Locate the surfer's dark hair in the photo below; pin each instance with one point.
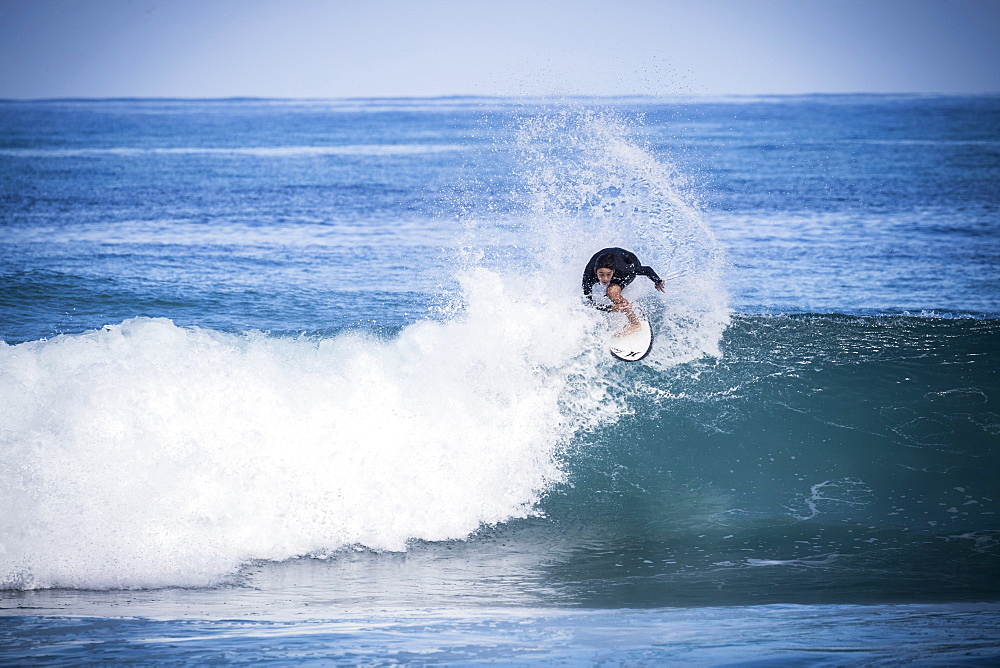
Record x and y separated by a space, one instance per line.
606 261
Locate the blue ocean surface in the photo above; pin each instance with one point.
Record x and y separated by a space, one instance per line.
312 381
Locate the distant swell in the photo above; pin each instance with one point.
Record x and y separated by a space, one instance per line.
254 151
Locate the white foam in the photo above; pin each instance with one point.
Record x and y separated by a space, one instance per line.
146 454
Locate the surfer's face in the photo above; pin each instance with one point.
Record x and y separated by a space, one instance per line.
604 275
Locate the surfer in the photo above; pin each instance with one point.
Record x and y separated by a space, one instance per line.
615 268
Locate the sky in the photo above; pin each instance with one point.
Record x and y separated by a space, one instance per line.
399 48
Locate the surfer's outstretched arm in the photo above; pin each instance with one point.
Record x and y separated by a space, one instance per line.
650 273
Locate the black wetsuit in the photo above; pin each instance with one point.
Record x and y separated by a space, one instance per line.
626 268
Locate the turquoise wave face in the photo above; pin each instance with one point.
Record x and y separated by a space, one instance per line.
820 459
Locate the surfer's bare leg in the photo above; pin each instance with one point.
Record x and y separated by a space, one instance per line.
621 305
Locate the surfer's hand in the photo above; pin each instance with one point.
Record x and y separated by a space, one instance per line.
660 286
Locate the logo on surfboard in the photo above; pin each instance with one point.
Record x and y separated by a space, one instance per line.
634 346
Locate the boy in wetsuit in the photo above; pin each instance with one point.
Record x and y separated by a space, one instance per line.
616 268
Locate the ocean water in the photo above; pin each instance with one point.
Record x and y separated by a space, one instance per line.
311 380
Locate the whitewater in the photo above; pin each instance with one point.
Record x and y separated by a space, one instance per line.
314 367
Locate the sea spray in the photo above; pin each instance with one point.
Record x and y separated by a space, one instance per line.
588 184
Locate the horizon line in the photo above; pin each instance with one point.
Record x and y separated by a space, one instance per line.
461 97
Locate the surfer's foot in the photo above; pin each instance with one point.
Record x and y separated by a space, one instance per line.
630 328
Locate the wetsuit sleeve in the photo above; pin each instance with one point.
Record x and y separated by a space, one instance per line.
648 272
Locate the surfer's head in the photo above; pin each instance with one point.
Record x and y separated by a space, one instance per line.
605 268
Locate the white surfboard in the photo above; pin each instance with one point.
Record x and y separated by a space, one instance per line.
633 347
